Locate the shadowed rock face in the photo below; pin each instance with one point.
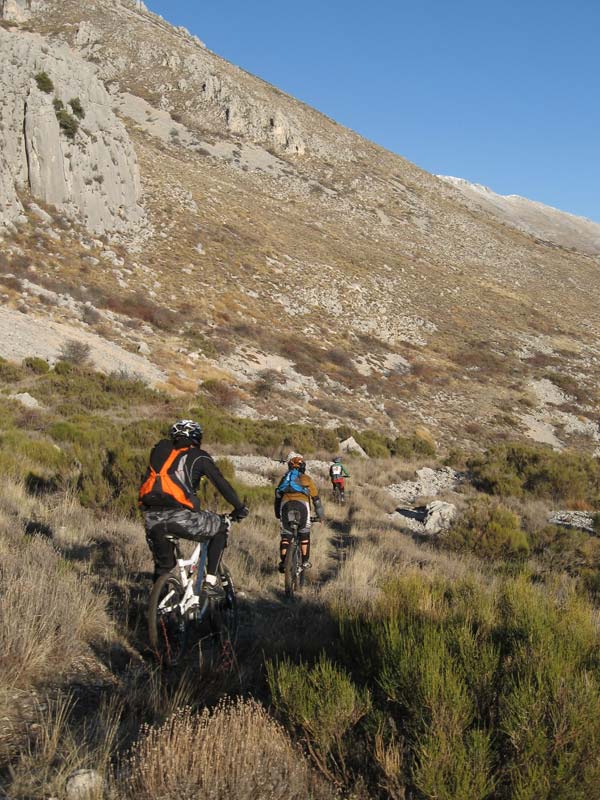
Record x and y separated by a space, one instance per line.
92 175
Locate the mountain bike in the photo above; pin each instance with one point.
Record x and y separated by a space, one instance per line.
339 494
179 616
293 569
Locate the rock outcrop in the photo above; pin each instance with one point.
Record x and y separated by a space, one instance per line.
18 10
429 483
352 447
434 518
581 520
60 140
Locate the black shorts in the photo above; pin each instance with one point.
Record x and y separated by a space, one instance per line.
295 511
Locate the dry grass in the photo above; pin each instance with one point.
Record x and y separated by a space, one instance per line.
237 751
47 611
86 595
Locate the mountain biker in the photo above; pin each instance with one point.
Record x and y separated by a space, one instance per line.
170 505
337 474
294 493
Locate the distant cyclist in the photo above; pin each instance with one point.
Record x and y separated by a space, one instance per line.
170 505
338 475
295 492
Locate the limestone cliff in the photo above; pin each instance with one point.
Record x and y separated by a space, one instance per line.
59 138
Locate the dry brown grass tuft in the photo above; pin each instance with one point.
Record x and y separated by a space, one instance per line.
237 751
47 612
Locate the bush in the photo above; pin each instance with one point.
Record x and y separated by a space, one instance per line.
495 691
375 444
236 751
36 365
67 123
322 704
518 469
9 372
63 368
421 443
223 393
490 530
44 83
77 108
75 352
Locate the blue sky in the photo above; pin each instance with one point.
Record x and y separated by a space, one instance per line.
501 93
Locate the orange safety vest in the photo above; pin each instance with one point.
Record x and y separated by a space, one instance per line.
162 483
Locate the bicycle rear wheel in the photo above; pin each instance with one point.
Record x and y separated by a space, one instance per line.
291 568
166 625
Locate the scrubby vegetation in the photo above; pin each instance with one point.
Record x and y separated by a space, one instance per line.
462 669
44 82
520 470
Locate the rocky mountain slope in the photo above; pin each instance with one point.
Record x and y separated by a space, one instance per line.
542 221
246 246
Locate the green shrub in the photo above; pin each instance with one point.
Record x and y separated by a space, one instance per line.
77 108
68 124
44 83
9 372
36 365
63 368
494 690
375 444
490 530
322 704
419 444
518 469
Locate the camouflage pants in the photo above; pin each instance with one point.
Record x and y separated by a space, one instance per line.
184 524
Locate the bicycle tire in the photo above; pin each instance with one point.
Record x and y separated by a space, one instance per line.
167 631
224 614
291 569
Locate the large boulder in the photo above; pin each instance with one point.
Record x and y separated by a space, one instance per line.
434 518
429 483
439 516
352 447
89 172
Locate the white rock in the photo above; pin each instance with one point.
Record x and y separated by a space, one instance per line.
40 213
94 176
26 399
439 516
429 483
574 519
84 784
144 349
351 446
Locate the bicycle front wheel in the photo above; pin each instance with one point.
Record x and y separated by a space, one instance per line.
225 613
166 625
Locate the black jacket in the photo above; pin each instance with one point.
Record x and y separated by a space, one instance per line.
191 466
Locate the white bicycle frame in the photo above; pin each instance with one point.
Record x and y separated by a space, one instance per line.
190 599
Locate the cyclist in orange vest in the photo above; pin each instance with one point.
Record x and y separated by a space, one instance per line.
170 504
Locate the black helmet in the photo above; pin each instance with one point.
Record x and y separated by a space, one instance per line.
186 429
